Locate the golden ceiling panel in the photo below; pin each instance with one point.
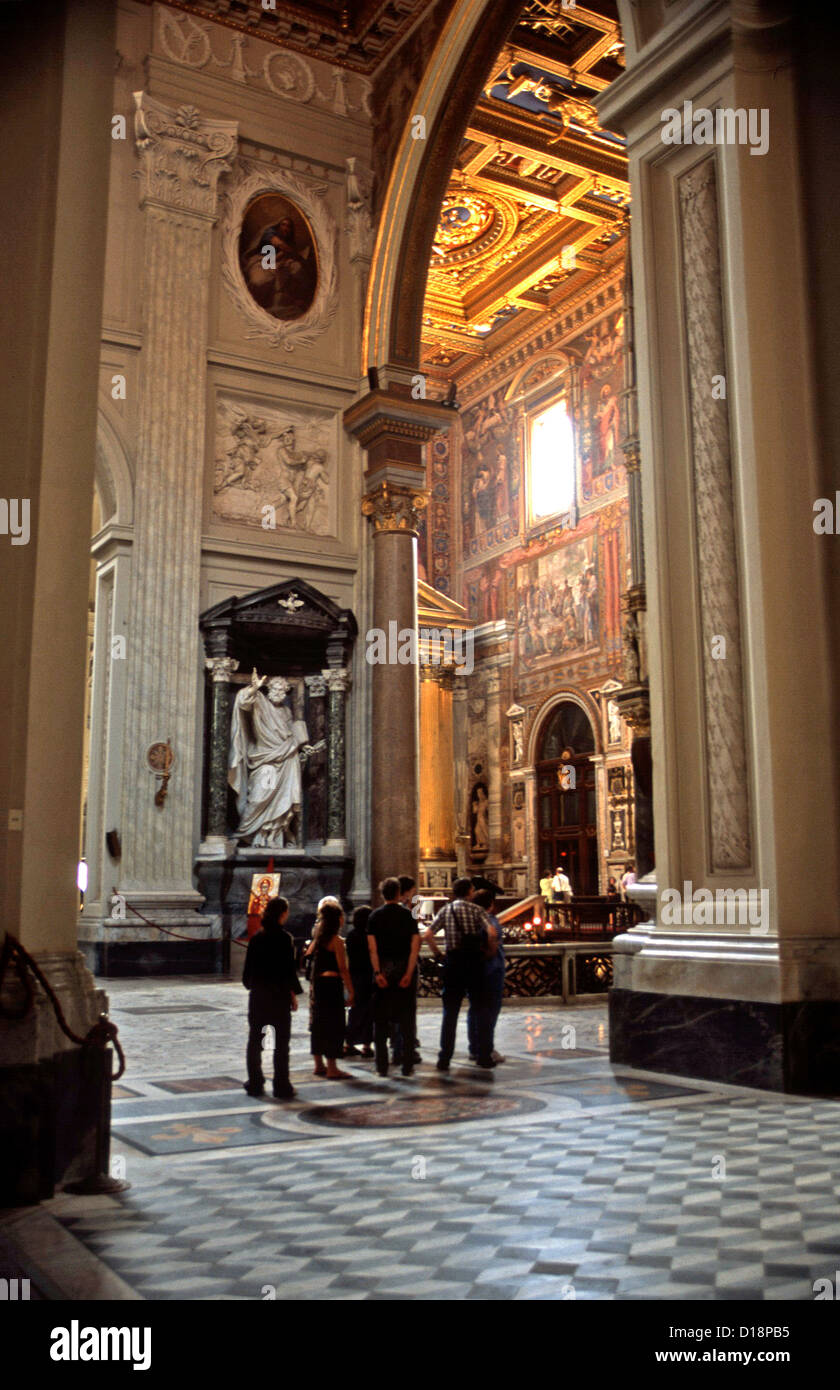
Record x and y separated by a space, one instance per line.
535 157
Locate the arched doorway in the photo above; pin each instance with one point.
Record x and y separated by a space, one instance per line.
566 802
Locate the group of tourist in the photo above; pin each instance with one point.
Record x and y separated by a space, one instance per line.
374 971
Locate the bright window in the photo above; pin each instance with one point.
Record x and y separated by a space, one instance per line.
552 471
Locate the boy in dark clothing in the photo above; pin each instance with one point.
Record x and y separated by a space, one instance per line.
394 945
271 978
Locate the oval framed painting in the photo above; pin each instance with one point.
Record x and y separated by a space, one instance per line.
278 257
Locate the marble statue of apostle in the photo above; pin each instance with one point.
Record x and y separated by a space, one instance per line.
264 764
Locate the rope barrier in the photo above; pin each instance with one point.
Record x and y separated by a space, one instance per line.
178 935
103 1032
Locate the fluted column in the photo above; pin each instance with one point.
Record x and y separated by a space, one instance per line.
182 156
337 680
221 670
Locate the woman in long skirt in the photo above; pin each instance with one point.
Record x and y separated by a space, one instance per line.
330 979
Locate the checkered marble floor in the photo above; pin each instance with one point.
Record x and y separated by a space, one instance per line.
558 1176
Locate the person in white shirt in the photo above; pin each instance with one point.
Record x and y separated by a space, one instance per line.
562 886
628 878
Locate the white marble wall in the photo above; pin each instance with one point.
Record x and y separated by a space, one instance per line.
298 123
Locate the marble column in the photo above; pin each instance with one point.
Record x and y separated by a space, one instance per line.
182 156
395 780
221 669
437 765
393 427
337 680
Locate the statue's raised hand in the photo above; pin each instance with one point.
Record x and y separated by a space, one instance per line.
257 682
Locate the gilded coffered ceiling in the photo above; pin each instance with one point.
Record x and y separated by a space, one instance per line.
538 199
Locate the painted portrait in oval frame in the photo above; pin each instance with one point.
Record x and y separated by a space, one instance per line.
283 284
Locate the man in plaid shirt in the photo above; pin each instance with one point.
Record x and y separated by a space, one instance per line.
468 932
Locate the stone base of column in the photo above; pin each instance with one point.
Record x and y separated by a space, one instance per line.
335 847
176 939
792 1047
216 847
55 1097
720 1006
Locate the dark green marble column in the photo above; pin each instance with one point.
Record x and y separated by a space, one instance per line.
221 669
337 679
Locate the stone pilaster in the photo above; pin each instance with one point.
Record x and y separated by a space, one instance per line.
528 776
182 157
493 688
493 645
459 743
724 426
336 681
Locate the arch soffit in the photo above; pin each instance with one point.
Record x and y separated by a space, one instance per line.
453 81
113 477
545 711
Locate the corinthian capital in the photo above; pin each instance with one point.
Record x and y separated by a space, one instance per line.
336 678
182 155
393 507
221 668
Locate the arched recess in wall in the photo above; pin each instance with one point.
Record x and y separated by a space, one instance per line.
564 741
563 696
112 474
451 85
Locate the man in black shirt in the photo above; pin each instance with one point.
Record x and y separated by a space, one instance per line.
394 945
271 979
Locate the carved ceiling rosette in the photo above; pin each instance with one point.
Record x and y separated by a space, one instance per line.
256 180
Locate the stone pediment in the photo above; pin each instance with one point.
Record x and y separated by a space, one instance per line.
292 611
435 609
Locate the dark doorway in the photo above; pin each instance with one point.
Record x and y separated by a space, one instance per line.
566 809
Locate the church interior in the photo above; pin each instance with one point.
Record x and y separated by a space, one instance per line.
420 459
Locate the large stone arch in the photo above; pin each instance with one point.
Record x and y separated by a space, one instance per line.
112 476
451 85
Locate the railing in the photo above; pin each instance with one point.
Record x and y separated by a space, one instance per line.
561 970
586 917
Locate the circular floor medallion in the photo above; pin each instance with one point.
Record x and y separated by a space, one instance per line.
402 1111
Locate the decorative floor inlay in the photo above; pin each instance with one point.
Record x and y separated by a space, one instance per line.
199 1084
420 1110
596 1091
208 1132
